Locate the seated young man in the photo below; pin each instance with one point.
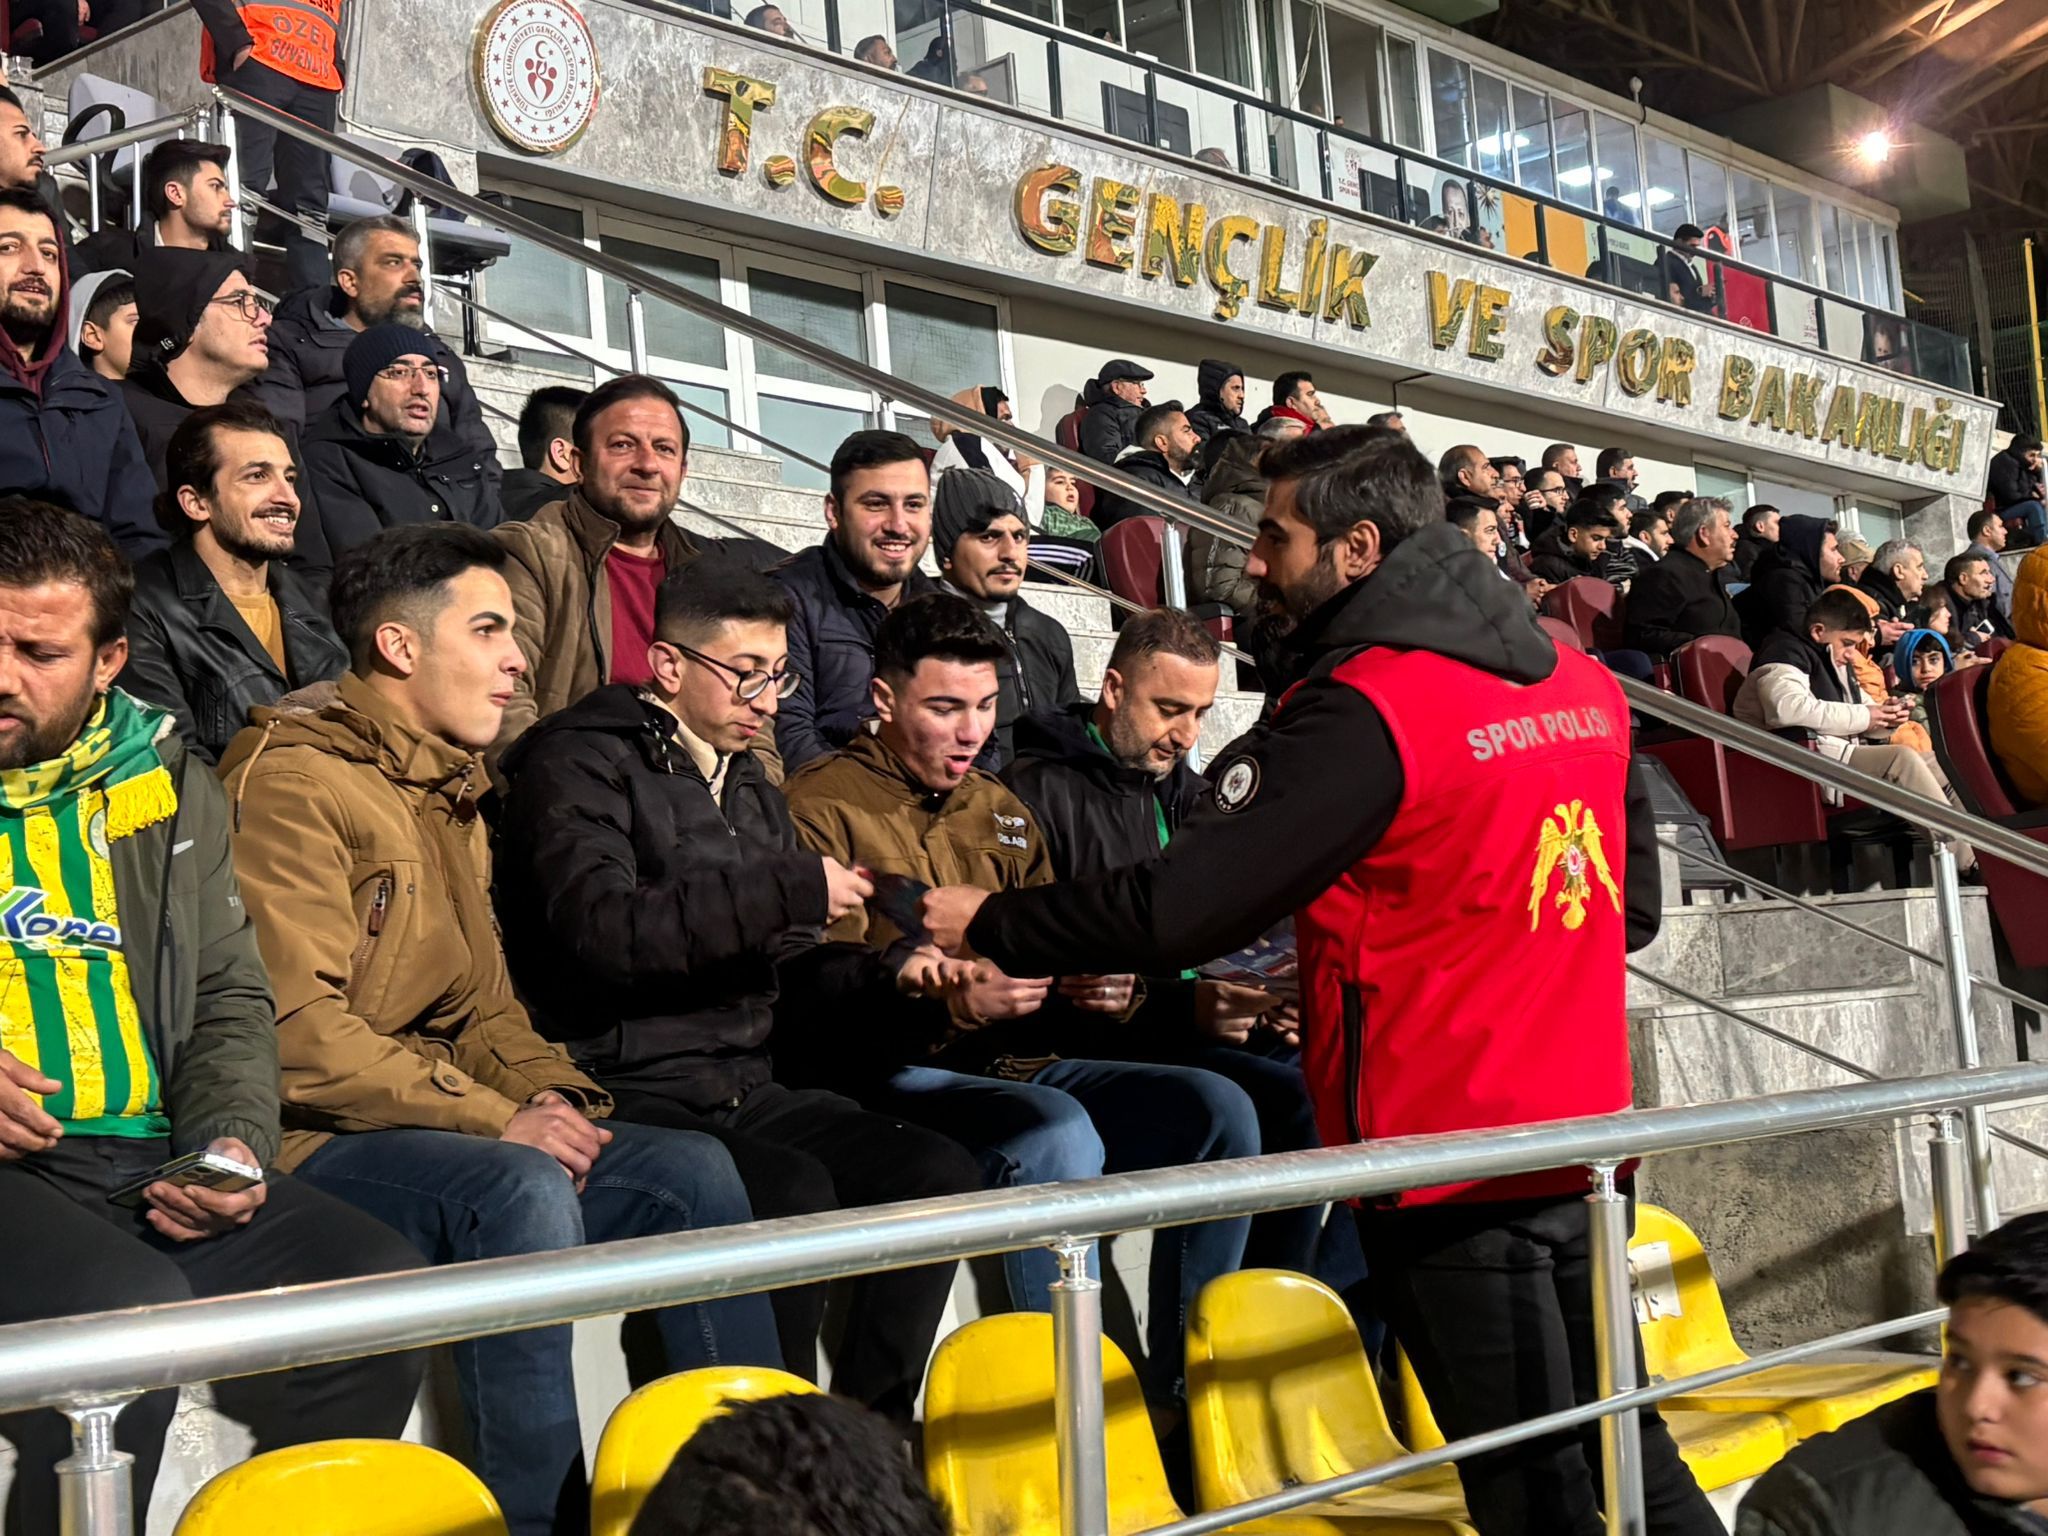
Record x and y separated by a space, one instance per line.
1968 1456
1039 1097
414 1086
118 1056
659 914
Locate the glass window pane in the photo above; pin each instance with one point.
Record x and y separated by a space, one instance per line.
942 342
1665 196
1755 243
818 312
1221 46
1795 233
1532 142
703 433
1839 278
1404 94
1730 485
1887 266
1307 28
540 287
1450 106
1490 106
1621 191
671 333
1159 32
1709 194
1877 288
1574 154
816 430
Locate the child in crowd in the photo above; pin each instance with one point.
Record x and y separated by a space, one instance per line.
1920 658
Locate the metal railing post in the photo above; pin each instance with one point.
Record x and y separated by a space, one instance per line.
224 126
1077 1392
423 233
1946 1184
1614 1342
1948 900
1173 578
95 1491
636 329
92 191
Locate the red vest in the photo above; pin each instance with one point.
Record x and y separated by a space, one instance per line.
1468 971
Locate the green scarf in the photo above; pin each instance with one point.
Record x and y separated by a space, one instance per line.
116 749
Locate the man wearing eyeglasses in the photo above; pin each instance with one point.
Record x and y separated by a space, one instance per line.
662 921
201 333
384 454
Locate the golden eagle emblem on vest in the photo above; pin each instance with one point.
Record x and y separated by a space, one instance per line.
1570 840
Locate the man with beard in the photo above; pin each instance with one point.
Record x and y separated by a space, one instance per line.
147 1034
201 333
381 456
63 434
1456 873
982 541
584 570
190 204
21 149
878 520
376 282
220 625
1163 453
1220 403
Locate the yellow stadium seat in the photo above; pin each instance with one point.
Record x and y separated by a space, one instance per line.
1685 1330
645 1431
1720 1448
1280 1393
345 1488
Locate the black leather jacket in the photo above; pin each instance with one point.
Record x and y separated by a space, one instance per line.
190 652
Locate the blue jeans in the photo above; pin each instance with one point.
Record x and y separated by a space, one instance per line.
2036 517
1082 1119
462 1197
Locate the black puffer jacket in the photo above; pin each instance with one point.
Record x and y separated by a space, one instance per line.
1553 558
365 483
1038 676
1785 581
832 644
649 927
190 652
1149 465
1095 813
1210 415
1677 601
1110 424
307 341
76 446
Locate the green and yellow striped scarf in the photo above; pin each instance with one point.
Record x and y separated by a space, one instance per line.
66 1003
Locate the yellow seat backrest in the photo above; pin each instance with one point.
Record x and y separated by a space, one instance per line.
1279 1388
1670 1263
988 1434
345 1488
645 1431
1416 1415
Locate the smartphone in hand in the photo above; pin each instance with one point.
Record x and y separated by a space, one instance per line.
207 1170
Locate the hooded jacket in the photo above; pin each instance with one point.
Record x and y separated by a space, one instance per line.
1304 810
1111 422
1786 580
2009 481
1676 601
2019 685
367 871
1235 489
308 338
653 925
1210 415
1888 1473
190 652
1552 557
65 438
1749 548
365 482
1150 466
832 644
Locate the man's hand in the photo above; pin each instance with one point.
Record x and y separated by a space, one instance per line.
1224 1010
186 1213
927 973
845 889
991 995
25 1126
946 914
1100 994
550 1122
1890 715
1536 590
1284 1021
1889 630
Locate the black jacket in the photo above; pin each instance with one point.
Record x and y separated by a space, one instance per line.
190 652
524 492
1785 582
1095 814
1334 781
1112 507
1783 648
1038 676
1209 415
2009 481
1110 424
365 483
1881 589
1888 1473
117 248
1748 547
832 645
307 341
75 445
1553 558
650 927
1977 620
1675 601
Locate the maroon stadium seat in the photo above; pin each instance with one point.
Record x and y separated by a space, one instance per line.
1133 560
1592 607
1068 435
1959 718
1560 631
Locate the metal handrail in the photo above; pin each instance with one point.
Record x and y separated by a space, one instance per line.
122 138
106 1355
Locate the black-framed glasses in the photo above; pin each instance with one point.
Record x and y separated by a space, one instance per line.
252 306
747 686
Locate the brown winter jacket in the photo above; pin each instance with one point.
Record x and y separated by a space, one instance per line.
1235 489
367 872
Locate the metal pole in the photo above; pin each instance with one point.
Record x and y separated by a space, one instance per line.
135 186
423 233
636 329
95 1493
1173 578
1948 898
238 228
2034 336
1945 1182
1077 1393
1614 1342
92 191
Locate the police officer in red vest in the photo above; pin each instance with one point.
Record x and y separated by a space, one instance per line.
1445 804
285 54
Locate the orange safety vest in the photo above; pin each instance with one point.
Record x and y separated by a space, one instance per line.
293 37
